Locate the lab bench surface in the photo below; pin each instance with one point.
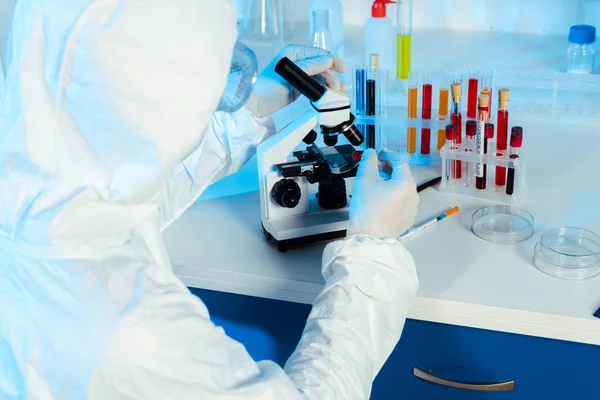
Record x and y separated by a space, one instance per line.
463 280
533 368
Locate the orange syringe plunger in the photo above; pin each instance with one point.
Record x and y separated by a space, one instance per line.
452 211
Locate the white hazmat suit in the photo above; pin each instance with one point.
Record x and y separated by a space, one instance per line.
107 134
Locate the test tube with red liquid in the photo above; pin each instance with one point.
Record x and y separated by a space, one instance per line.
473 92
489 134
426 100
456 119
516 142
451 165
470 135
480 140
486 82
502 135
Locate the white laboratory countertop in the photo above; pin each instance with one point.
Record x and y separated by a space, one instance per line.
218 245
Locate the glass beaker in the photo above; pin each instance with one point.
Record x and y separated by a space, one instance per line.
260 23
322 37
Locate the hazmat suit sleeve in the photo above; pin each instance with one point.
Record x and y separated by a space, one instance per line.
356 320
230 141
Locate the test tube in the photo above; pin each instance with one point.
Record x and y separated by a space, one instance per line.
382 92
456 119
382 107
489 134
442 109
472 94
360 76
413 93
502 138
483 111
426 100
470 137
487 85
404 38
516 142
371 93
451 164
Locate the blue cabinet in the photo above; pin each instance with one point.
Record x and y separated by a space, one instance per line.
540 368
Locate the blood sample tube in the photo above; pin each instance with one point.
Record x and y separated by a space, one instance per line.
471 134
472 94
486 82
483 111
456 119
489 134
516 141
426 99
413 92
451 164
502 138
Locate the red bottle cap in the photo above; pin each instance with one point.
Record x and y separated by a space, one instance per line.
516 137
471 128
379 9
489 131
451 132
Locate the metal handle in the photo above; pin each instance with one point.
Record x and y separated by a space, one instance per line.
490 387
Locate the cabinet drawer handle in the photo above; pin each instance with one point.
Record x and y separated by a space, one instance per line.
490 387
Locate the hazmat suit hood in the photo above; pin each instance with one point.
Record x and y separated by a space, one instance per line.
102 100
107 134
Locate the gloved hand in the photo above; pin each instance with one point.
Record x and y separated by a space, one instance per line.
380 208
271 93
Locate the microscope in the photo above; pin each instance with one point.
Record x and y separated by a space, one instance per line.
305 194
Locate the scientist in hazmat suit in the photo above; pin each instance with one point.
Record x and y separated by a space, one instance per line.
108 132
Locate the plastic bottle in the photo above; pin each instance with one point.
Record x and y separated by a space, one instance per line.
580 55
379 35
322 37
336 20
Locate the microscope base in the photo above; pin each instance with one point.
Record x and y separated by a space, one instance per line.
284 245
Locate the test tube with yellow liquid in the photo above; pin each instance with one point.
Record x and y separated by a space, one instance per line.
404 27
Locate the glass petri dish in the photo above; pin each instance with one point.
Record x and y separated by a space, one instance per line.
568 253
502 224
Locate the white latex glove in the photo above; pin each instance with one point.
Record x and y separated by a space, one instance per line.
382 208
272 93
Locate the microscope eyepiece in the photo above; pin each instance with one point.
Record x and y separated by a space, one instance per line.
299 79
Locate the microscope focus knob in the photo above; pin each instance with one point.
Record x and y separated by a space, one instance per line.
286 193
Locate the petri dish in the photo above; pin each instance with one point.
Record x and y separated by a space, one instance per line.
568 253
502 224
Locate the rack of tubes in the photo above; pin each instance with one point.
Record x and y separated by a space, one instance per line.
483 174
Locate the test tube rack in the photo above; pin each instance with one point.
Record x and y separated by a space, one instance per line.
460 158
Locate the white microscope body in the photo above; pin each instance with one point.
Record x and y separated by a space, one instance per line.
291 210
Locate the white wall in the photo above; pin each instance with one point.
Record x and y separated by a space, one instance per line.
525 16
